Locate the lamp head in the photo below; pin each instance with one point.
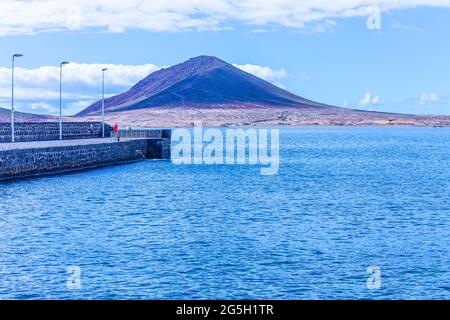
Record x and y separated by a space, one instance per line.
17 55
104 69
64 62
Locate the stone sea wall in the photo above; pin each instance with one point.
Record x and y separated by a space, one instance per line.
42 131
158 146
20 163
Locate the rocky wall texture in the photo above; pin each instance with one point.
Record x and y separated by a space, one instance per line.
26 162
43 131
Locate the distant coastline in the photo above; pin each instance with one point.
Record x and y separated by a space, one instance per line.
221 117
217 116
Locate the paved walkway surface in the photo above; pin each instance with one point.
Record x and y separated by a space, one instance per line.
58 143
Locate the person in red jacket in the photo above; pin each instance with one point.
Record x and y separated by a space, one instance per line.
116 131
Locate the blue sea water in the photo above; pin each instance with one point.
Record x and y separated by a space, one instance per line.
345 199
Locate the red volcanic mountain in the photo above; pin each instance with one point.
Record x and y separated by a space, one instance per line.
200 82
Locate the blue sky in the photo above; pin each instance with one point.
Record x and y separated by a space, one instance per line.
324 54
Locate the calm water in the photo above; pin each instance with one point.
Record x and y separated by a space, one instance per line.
345 199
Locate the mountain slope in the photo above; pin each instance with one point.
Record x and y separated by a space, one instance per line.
5 116
200 82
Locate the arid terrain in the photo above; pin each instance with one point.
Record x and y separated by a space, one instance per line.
170 117
252 116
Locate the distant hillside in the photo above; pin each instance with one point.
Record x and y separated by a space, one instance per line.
5 116
201 82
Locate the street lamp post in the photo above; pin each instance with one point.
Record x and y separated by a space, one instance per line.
103 101
16 55
60 98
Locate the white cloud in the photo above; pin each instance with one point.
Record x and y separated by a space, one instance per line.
428 97
260 30
70 105
323 26
262 72
32 107
43 82
28 17
37 90
79 73
21 93
43 106
77 106
370 100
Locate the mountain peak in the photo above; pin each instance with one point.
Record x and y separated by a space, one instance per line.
201 81
205 59
200 64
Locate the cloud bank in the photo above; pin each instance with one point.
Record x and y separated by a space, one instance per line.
370 100
262 72
428 97
78 73
37 90
29 17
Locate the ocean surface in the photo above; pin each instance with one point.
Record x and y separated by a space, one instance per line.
345 199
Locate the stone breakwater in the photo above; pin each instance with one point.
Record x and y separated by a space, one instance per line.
43 131
27 159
